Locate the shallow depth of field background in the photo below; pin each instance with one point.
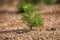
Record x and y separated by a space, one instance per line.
11 20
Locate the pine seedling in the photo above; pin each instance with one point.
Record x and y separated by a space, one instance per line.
31 16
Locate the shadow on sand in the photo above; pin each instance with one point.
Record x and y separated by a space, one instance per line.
19 31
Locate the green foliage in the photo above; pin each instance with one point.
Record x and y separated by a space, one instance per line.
31 16
34 20
28 8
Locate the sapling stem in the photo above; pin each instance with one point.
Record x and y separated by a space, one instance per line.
31 25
